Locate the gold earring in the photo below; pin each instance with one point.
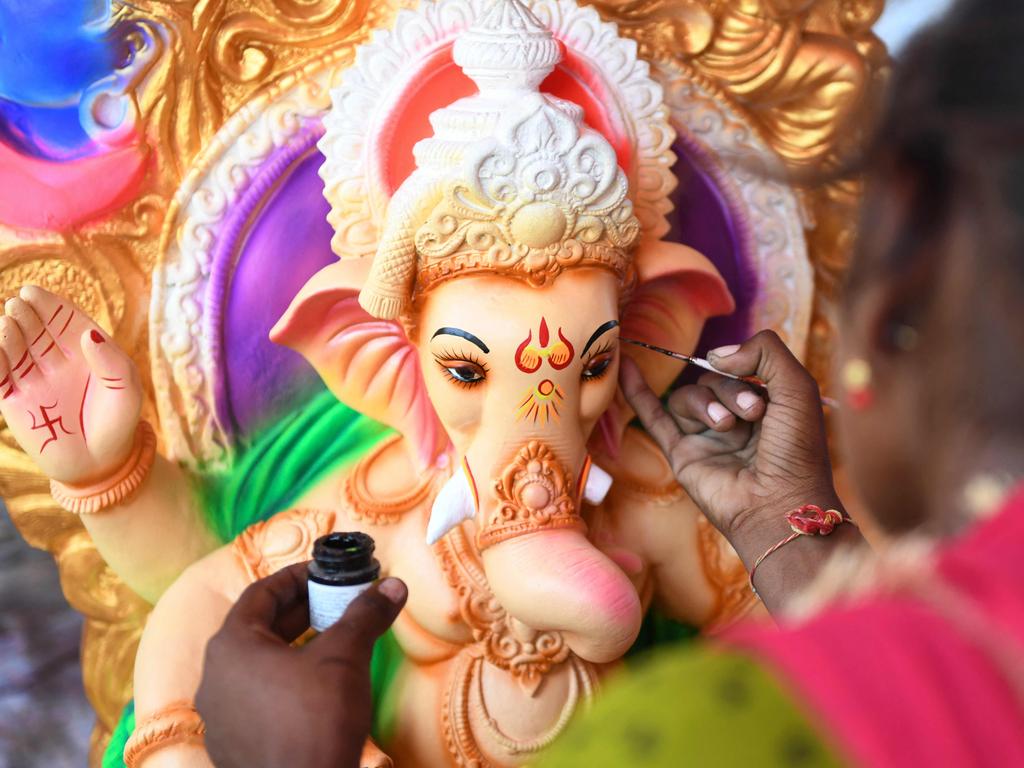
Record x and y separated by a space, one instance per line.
856 376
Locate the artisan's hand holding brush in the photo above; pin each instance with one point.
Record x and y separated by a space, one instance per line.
747 451
700 362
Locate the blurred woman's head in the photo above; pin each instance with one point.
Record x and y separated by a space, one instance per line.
935 293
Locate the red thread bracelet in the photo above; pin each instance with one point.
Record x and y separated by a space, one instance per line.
808 520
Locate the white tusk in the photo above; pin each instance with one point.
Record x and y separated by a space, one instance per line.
598 484
452 505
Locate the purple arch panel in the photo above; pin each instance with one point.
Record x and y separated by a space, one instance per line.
702 220
287 241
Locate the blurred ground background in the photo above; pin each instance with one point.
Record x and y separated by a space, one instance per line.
45 720
44 717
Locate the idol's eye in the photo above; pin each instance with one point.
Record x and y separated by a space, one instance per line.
465 373
462 370
598 364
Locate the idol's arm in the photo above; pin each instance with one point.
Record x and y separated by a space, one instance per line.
156 534
697 579
72 398
692 570
169 663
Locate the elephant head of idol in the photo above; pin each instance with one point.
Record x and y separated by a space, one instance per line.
486 328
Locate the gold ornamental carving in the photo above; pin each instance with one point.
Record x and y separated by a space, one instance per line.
807 75
804 74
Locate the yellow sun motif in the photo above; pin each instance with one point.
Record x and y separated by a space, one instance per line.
541 403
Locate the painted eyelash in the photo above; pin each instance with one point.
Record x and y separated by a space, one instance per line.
606 348
448 356
599 376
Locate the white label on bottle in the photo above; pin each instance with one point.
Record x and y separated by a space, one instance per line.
327 603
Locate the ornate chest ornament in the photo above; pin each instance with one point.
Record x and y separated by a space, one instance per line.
497 642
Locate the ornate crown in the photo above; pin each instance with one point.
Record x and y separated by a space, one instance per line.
512 181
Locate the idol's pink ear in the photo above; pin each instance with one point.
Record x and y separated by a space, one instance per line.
368 364
678 289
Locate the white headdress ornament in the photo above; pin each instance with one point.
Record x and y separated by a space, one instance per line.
511 181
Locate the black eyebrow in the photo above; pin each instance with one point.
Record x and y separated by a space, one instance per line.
603 329
462 335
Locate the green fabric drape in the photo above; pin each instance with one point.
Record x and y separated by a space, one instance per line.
113 757
276 469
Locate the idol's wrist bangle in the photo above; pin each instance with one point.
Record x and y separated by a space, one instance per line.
118 487
174 724
808 520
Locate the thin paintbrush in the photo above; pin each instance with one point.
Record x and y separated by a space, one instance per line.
707 366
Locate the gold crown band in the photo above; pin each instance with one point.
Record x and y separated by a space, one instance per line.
536 268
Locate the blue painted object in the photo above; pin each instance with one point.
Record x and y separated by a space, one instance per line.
51 51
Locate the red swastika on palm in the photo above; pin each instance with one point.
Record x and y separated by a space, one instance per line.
48 423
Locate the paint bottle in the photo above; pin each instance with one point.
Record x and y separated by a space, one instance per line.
342 568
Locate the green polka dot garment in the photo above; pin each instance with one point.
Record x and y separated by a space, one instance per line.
693 708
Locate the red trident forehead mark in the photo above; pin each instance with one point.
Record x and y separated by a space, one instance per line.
530 356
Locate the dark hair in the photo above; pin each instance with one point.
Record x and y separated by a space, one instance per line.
953 132
955 121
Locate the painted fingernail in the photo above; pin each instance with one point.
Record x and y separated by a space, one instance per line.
96 337
717 412
392 589
731 349
747 400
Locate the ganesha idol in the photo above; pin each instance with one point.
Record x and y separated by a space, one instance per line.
534 526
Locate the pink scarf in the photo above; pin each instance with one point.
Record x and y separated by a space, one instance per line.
897 680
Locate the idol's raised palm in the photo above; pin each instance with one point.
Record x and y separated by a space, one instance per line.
70 396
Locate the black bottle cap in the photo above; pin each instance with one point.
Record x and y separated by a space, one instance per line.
344 559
